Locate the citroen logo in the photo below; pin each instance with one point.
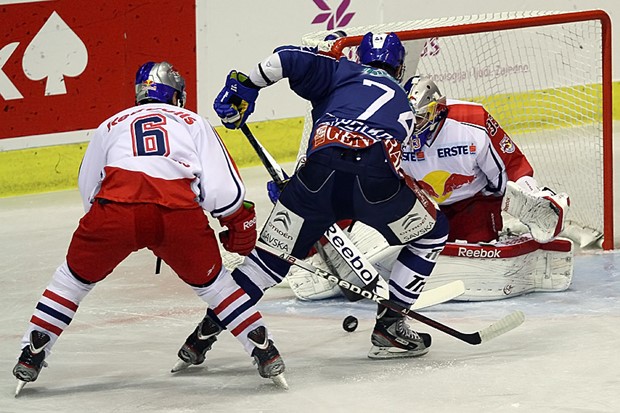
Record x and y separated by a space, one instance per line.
283 218
410 220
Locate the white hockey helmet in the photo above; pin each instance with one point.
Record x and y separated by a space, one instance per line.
429 106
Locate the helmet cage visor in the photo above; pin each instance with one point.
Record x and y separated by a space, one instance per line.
428 116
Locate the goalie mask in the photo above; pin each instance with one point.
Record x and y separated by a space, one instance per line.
384 51
158 82
430 109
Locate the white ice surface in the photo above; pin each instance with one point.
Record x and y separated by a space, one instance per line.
117 353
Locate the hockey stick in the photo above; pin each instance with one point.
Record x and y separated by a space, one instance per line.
438 295
349 252
428 297
364 270
502 326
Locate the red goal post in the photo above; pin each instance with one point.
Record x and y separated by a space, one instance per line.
544 76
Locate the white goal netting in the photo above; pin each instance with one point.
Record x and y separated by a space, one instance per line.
540 75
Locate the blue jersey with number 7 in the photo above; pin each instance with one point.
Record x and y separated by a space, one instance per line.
353 105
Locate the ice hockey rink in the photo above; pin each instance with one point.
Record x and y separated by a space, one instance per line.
117 354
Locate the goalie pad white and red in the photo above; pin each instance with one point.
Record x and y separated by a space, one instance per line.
541 210
508 268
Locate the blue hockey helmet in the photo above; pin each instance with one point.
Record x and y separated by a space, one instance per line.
429 106
158 82
381 50
335 35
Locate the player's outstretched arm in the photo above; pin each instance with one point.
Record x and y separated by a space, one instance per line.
236 101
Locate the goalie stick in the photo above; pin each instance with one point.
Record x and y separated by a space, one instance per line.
502 326
364 270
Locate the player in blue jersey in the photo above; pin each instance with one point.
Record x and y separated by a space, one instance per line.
361 117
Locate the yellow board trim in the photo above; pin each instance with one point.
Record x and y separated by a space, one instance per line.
54 168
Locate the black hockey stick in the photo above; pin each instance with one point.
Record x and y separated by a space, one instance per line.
504 325
367 273
275 171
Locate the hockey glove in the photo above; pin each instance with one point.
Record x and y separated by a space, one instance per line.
542 210
240 237
235 103
273 190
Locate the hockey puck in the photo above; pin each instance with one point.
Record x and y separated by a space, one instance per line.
350 323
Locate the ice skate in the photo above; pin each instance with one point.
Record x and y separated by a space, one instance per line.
392 338
194 351
267 358
31 361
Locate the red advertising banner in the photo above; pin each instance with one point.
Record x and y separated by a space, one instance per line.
67 65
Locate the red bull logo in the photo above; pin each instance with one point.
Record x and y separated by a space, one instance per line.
148 84
441 184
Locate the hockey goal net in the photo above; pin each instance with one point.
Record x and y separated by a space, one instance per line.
544 76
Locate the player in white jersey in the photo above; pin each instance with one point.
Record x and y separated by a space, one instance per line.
466 161
470 166
147 178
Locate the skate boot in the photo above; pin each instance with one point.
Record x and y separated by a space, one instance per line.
392 338
31 361
267 358
194 351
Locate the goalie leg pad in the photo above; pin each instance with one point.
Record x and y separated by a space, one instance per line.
509 268
308 286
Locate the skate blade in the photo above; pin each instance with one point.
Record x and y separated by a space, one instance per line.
20 386
280 381
379 353
180 365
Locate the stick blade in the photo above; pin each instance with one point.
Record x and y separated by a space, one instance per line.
439 295
506 324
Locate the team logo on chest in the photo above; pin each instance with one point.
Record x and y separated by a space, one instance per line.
413 156
456 150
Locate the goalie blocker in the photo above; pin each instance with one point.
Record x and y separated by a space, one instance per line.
493 271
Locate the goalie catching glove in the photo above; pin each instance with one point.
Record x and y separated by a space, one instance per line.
541 210
235 103
240 237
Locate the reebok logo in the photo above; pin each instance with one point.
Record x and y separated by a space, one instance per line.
351 287
475 253
249 224
353 260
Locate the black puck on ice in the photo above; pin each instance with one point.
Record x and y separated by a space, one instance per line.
350 323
